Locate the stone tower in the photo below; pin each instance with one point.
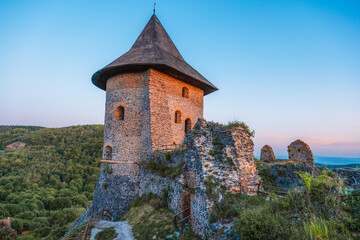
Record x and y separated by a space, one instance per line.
153 98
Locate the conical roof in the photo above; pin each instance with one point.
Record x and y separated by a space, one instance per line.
153 49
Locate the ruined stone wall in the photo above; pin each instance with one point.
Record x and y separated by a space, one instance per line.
223 158
153 182
165 99
351 176
267 154
299 151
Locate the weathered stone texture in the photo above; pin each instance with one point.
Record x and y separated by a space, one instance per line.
267 154
224 157
351 177
152 182
300 152
16 145
130 138
115 191
149 100
285 174
166 98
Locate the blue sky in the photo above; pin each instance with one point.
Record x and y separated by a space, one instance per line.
289 69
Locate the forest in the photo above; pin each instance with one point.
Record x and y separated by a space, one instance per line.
47 184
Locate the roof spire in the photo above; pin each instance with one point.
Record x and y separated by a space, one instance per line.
154 7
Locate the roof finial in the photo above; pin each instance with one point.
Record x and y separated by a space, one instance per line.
154 6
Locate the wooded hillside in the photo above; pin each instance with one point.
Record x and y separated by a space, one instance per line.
47 184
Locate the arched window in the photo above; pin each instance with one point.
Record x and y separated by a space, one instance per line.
187 125
185 92
108 153
177 116
120 113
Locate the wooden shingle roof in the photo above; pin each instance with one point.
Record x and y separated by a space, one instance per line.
153 49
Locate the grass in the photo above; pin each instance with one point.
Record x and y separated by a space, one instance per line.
315 212
177 150
162 169
106 234
149 216
236 124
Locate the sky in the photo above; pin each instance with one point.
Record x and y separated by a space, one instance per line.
289 69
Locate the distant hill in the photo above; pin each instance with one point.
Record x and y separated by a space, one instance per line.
331 162
332 167
47 184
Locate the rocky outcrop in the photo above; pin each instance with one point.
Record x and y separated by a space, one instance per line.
163 185
284 175
351 176
218 160
16 145
300 152
267 154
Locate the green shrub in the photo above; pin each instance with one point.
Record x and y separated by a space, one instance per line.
80 200
14 209
26 215
151 199
57 232
213 152
61 202
107 169
168 156
258 224
17 224
6 233
236 124
163 170
146 220
318 228
106 234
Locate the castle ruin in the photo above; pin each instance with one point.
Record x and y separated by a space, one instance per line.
153 98
154 102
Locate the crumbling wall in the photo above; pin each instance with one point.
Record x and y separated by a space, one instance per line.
284 174
299 151
267 154
164 186
351 177
221 159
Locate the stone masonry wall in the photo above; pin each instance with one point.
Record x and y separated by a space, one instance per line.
130 138
299 151
222 157
153 182
351 176
267 154
165 99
